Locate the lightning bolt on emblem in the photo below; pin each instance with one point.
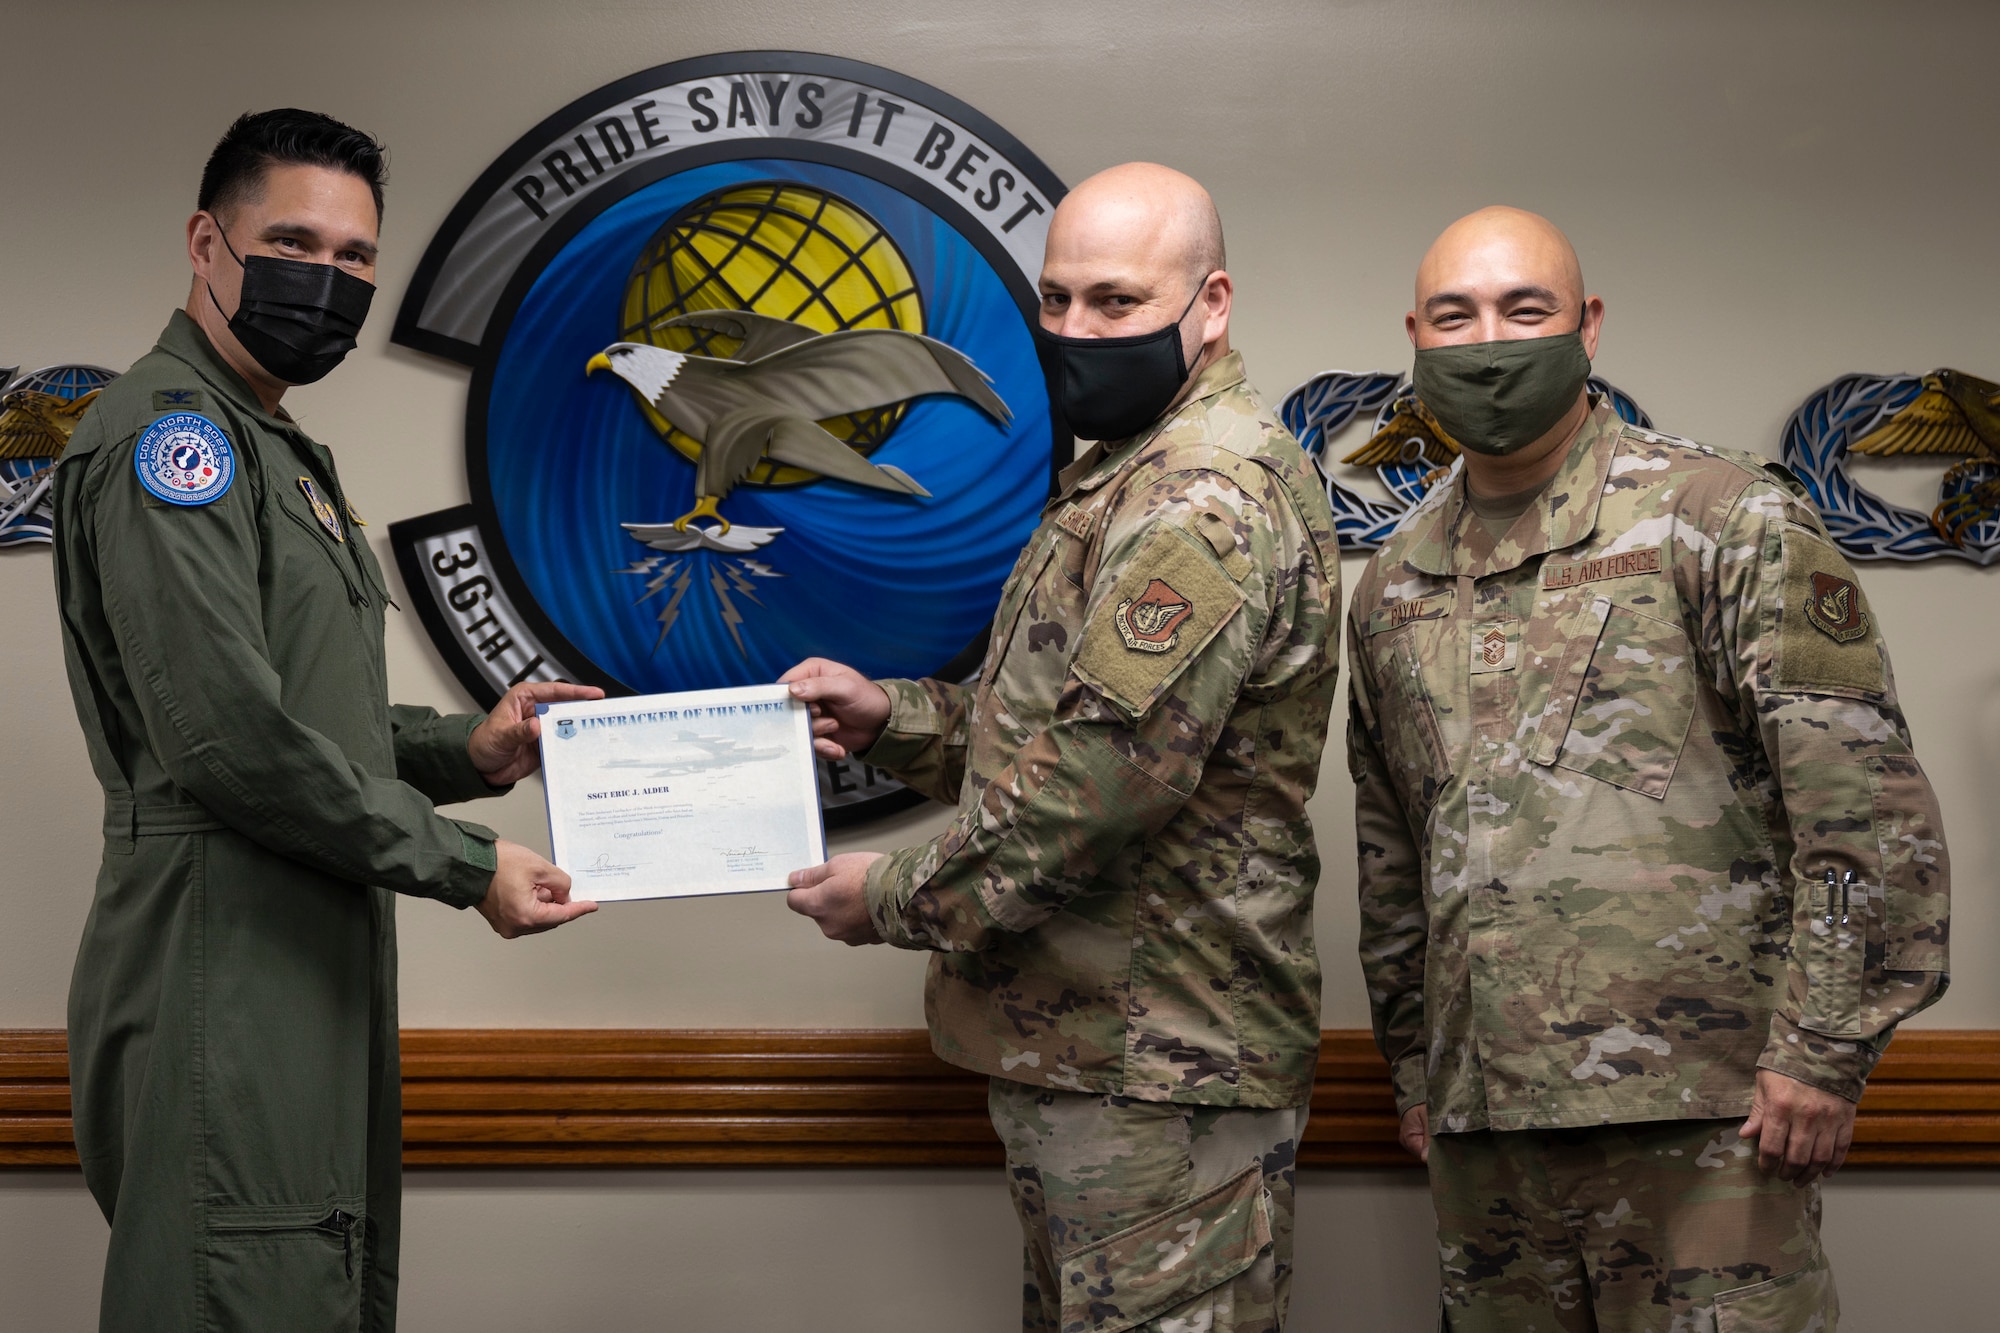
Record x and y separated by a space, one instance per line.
724 577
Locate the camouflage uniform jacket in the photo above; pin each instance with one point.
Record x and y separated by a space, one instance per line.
1124 902
1604 766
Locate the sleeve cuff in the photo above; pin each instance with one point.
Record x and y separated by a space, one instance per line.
887 891
914 726
441 765
1407 1077
472 874
1836 1065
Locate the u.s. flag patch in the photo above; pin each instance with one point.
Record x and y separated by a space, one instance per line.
185 459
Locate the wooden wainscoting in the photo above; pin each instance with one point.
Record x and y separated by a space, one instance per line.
567 1097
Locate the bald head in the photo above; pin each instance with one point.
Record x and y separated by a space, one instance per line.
1129 250
1142 207
1499 274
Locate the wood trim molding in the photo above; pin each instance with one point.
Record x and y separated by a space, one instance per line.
784 1098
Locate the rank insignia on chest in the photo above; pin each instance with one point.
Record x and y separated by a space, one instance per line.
323 510
1495 647
1834 608
1151 622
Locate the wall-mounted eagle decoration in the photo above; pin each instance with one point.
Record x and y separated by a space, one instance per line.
766 401
39 412
1944 414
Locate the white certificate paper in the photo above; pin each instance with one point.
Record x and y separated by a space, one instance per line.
677 795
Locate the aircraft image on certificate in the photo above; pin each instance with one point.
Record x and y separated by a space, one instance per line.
679 795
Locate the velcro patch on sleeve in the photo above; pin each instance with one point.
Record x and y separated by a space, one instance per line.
1827 638
1170 600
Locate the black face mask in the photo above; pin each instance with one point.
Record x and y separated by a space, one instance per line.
1113 388
298 320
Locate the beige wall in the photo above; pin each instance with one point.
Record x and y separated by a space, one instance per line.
1766 196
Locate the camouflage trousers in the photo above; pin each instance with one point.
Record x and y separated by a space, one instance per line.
1149 1215
1667 1227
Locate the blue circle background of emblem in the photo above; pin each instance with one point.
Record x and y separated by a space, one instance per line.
185 459
603 541
892 584
1862 524
1319 409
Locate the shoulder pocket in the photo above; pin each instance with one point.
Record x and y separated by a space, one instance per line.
1916 875
1171 599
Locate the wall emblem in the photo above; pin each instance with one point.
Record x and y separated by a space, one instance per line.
752 381
38 413
1946 414
1408 450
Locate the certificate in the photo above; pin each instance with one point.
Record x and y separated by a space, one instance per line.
676 795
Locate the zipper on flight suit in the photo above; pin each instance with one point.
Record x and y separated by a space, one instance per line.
341 1222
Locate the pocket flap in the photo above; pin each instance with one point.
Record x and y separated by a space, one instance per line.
1169 1259
1799 1302
1579 636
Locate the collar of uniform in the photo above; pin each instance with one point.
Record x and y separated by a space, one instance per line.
1567 509
1102 461
184 340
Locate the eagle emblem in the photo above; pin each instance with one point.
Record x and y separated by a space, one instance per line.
1151 622
1955 414
1834 608
39 412
772 376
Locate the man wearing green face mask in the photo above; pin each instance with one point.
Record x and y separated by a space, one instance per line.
1648 871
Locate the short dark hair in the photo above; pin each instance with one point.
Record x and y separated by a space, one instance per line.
260 140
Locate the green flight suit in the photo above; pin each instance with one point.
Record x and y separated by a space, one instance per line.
232 1017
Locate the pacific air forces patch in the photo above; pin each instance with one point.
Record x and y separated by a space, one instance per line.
185 459
1171 601
1827 642
1833 605
1151 622
323 510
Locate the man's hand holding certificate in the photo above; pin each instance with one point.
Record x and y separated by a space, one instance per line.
679 795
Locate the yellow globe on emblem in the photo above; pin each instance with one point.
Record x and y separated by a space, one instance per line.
783 250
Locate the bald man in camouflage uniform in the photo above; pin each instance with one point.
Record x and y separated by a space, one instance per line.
1121 914
1644 850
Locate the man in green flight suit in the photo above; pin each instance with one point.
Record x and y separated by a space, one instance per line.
1649 872
232 1020
1121 913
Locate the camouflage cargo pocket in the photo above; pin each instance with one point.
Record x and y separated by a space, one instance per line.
1800 1302
1410 735
1634 703
1158 1265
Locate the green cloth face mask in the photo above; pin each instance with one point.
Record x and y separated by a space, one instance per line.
1497 397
